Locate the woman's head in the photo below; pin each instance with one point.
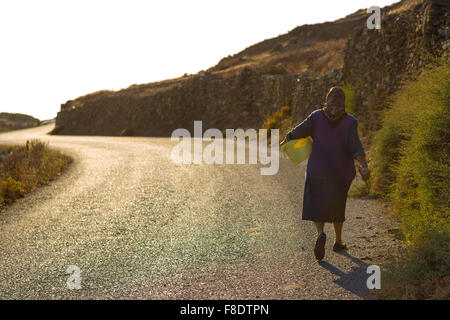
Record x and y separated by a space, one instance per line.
335 103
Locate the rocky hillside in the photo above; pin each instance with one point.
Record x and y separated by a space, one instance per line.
294 69
308 49
13 121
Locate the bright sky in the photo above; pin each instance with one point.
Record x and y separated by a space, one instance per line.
53 51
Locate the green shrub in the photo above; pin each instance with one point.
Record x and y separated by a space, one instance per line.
428 258
27 167
11 190
420 191
410 167
386 154
404 119
277 116
430 255
360 190
281 120
351 100
15 165
423 272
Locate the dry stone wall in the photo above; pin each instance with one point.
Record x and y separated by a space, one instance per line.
240 102
377 62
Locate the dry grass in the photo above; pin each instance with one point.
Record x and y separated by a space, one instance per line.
436 289
317 58
281 120
405 5
420 272
24 168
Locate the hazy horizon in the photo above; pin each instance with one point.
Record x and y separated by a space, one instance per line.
54 51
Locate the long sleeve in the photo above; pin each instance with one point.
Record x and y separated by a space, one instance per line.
302 130
356 147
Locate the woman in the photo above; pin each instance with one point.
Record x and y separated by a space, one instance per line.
331 167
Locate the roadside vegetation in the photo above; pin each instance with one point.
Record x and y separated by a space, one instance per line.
24 168
409 163
281 120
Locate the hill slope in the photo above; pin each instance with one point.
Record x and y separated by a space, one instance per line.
13 121
294 69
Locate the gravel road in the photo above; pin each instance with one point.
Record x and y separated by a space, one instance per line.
140 227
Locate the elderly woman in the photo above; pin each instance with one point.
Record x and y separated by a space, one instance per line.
331 166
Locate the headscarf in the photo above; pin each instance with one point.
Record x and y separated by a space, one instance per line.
334 109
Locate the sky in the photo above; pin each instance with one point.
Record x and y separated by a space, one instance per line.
54 51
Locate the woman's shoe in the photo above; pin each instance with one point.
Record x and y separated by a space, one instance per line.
339 247
319 249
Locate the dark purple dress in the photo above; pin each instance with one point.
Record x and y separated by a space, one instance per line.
331 167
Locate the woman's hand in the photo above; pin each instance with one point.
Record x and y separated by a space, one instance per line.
363 169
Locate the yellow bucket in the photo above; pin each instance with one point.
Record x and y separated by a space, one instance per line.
298 150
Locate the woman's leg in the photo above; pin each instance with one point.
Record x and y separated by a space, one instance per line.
338 231
319 248
319 226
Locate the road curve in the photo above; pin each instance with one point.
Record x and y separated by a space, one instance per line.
140 227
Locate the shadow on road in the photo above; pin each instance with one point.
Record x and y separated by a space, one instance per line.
353 281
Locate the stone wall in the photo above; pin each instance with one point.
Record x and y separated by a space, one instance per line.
239 102
379 61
